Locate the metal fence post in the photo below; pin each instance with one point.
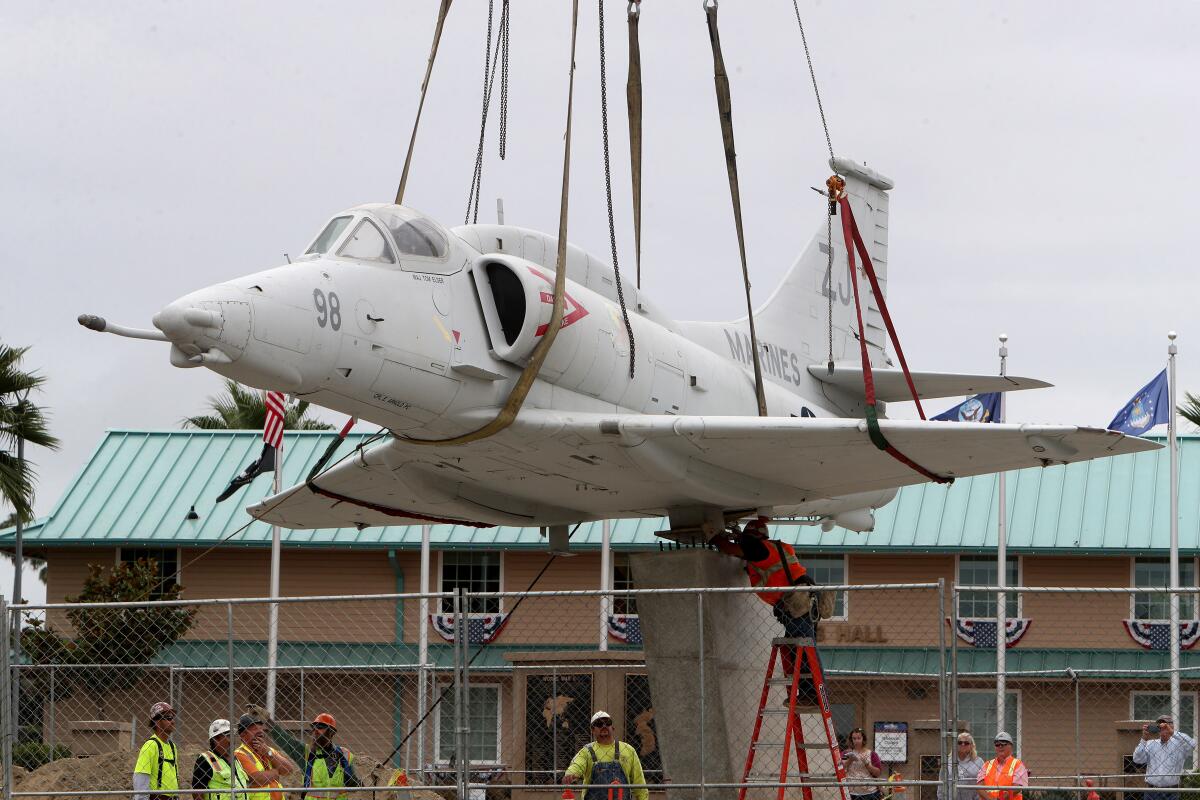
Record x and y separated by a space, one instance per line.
6 710
303 716
233 719
53 725
460 689
703 715
952 774
949 757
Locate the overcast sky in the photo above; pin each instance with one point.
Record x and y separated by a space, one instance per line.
1043 157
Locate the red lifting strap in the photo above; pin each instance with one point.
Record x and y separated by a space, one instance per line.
854 240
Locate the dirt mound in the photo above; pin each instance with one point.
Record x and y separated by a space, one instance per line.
113 771
108 771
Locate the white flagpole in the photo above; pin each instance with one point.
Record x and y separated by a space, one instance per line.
273 616
605 581
1001 560
1173 454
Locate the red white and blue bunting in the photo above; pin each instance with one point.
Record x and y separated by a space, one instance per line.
480 629
981 631
1155 634
625 628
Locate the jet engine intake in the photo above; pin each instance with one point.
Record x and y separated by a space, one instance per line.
517 304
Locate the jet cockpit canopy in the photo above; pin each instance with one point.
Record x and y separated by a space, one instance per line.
383 233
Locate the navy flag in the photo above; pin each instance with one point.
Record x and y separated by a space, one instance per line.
1149 407
980 408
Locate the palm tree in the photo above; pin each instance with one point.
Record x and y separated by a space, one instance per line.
20 421
245 409
33 562
1189 409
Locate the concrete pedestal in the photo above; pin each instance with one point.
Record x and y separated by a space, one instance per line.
707 656
706 669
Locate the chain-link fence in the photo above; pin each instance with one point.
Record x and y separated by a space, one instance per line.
491 695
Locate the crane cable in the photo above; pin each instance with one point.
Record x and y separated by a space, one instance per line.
520 390
812 73
633 100
490 64
725 112
612 231
412 140
853 239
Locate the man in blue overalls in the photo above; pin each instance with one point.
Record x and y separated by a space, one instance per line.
607 766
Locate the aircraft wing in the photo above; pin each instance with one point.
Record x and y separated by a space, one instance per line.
555 467
890 385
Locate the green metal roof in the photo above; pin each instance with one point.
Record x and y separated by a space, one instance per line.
137 487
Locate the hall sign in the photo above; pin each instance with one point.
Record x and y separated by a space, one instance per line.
871 634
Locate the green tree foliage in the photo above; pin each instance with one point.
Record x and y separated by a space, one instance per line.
245 409
20 419
132 635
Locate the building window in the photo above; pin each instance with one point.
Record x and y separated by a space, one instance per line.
166 561
1149 705
622 602
977 708
483 726
981 571
1155 573
828 571
472 571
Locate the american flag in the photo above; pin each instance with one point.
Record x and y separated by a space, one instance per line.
981 631
626 628
273 428
1157 635
480 630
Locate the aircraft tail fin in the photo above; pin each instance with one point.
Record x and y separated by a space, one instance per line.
797 313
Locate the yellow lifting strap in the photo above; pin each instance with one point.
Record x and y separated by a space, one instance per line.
412 140
520 390
725 112
633 98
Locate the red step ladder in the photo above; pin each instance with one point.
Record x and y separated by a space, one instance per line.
805 652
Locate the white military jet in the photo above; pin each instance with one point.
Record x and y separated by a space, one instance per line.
392 318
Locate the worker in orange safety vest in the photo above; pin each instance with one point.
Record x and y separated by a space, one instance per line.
772 563
1003 770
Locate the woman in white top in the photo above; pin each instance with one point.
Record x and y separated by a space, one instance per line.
969 764
862 764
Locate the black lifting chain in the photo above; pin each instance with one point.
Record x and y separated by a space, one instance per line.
612 232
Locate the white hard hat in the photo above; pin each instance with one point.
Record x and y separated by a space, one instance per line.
601 715
217 727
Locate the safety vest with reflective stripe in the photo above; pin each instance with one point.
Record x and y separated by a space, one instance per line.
221 775
317 775
770 571
252 763
1001 776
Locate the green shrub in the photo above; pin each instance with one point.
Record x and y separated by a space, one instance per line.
32 755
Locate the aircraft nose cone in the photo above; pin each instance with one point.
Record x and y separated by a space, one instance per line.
206 323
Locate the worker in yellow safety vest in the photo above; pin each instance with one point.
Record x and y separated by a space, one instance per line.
327 765
1003 770
217 769
157 765
263 763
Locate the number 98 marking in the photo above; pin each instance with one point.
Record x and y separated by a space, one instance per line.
328 311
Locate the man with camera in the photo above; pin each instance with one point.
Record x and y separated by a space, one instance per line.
1164 752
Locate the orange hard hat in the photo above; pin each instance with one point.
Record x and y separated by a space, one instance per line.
325 719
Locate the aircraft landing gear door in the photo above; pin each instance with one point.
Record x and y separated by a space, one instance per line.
666 390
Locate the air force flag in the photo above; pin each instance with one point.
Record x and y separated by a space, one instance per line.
1149 407
980 408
